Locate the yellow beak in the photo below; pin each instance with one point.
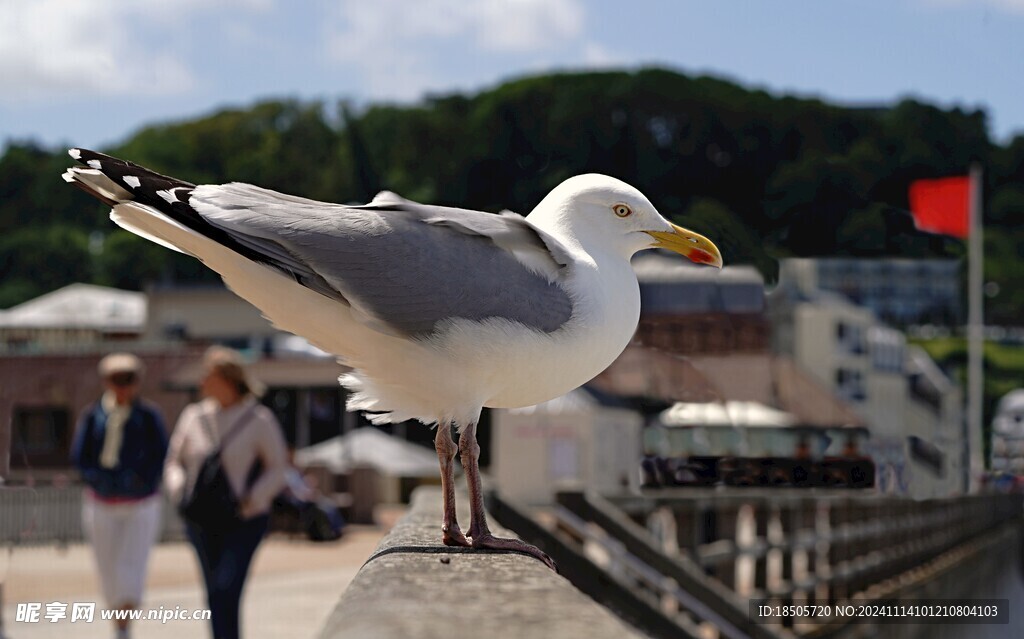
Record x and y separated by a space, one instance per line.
692 245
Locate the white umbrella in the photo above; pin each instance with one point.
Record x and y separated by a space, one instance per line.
732 413
370 447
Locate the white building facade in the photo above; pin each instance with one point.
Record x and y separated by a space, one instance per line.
913 411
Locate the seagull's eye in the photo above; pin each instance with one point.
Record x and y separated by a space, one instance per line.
622 210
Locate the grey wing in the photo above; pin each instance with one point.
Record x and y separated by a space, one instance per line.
506 229
405 266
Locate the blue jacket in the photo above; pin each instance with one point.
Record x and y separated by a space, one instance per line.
143 448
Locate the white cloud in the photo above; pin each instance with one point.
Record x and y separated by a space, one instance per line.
392 43
596 55
524 26
56 48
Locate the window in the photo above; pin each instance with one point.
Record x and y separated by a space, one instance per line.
850 385
282 402
325 409
40 434
850 338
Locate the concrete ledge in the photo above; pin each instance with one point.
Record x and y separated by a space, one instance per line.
413 587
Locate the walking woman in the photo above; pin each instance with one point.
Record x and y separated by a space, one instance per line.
119 449
253 458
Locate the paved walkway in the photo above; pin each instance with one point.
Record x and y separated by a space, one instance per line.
293 586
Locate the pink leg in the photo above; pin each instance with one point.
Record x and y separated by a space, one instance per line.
478 531
451 535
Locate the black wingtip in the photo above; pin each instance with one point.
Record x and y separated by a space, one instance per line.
101 161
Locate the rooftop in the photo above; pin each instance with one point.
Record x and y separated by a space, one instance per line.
80 306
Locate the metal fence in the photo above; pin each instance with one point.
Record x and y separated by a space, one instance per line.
704 556
53 515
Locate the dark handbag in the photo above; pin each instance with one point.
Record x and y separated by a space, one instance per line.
211 503
322 520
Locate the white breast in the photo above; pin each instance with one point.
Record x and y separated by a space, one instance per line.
606 311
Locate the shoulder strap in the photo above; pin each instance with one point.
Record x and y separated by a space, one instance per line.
236 427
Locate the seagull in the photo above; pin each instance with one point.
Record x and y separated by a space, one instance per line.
438 312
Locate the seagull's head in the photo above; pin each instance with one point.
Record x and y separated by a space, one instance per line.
601 212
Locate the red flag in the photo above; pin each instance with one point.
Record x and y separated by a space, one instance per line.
942 206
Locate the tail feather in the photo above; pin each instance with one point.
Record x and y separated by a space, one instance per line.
119 182
144 183
96 184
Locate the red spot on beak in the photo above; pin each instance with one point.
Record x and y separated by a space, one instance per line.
701 256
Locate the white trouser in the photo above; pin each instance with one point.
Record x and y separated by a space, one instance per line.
121 535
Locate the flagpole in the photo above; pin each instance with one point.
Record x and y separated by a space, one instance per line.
975 332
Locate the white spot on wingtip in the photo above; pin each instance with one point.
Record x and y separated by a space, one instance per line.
69 176
132 181
94 164
75 153
169 195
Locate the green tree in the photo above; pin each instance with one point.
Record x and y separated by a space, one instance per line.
37 260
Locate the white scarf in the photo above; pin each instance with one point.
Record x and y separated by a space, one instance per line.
117 415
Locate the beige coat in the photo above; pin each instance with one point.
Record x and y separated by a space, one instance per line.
202 425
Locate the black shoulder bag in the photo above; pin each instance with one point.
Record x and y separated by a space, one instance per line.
211 503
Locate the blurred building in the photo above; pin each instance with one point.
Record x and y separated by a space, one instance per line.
706 336
715 336
206 313
900 292
73 317
50 347
44 392
689 309
913 411
584 438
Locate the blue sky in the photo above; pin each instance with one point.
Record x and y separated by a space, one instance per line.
90 73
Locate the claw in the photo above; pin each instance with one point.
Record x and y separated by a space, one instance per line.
489 541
